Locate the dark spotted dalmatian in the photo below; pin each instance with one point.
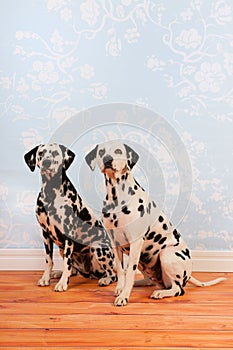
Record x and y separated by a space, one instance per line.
140 229
66 221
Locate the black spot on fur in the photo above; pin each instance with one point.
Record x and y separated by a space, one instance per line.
148 208
59 234
157 237
125 210
180 255
156 252
131 191
134 267
150 235
176 235
47 250
85 215
185 278
68 252
149 247
113 191
186 252
161 218
162 240
106 215
98 252
141 210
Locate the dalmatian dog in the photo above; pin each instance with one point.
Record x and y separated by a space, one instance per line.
66 221
137 227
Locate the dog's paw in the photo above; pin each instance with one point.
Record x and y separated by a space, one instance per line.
61 286
105 281
43 282
121 300
157 294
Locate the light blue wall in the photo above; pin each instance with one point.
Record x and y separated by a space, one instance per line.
174 59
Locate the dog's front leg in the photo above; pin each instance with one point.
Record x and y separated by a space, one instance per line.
48 244
62 284
134 256
120 271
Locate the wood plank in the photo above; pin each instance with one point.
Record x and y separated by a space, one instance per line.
102 295
126 322
32 285
102 348
151 308
98 338
7 277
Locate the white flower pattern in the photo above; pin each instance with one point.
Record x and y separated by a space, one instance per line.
190 39
209 77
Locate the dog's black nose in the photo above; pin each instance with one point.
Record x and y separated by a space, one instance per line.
46 163
107 161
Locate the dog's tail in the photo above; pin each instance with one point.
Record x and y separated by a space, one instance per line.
206 284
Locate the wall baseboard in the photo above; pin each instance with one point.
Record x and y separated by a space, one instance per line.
33 259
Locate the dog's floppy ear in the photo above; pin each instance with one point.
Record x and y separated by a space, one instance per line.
30 158
68 156
132 156
91 158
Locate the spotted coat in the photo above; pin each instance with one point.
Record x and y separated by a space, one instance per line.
66 221
138 228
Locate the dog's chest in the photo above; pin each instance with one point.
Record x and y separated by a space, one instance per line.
51 215
128 211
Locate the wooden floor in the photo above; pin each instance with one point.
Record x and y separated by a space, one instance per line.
84 317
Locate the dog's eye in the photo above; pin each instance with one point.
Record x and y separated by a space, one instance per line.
41 153
55 153
118 151
101 152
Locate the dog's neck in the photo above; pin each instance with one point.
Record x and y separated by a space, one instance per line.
53 182
118 186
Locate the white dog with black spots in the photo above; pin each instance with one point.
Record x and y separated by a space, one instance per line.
140 229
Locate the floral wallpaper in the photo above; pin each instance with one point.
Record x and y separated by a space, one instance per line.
157 74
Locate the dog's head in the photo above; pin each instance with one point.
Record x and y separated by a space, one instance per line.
112 157
50 158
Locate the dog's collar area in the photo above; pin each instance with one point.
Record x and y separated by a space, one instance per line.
51 175
112 175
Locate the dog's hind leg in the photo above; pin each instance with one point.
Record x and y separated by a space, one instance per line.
146 281
104 256
176 271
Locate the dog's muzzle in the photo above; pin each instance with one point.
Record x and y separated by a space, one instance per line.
46 164
46 167
107 160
